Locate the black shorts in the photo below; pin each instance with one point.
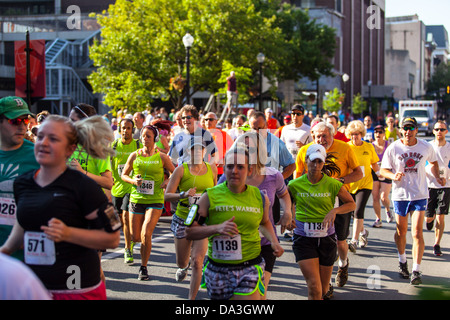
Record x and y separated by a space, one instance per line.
325 249
342 225
269 257
121 203
384 180
361 196
438 202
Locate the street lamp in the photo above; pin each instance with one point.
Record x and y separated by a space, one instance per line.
345 78
260 57
188 40
369 84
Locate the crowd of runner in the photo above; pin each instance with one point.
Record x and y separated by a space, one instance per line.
70 186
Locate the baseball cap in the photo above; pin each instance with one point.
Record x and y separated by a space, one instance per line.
379 127
268 110
288 117
316 151
13 107
298 107
409 120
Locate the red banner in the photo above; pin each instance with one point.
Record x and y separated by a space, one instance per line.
37 68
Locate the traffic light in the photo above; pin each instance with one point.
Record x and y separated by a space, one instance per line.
448 89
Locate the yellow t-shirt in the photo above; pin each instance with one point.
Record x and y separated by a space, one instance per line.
366 156
345 159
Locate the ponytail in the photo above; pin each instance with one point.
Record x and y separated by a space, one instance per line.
93 134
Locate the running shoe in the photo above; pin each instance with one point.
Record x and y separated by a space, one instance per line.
329 294
342 275
352 246
437 250
377 224
143 273
128 256
389 216
403 270
363 238
182 273
416 278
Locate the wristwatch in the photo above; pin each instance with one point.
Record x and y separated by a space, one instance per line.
182 193
341 180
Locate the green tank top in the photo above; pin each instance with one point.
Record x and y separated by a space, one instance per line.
189 181
123 151
152 172
247 208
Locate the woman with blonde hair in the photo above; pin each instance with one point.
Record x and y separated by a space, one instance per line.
64 210
271 182
361 189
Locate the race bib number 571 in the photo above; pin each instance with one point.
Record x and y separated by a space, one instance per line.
39 250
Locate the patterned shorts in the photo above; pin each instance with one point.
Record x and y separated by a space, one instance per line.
222 282
177 227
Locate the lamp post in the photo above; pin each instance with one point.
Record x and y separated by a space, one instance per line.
188 40
260 57
345 78
369 84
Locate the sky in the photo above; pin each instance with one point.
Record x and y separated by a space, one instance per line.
431 12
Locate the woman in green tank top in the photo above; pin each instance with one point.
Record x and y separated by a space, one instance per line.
234 215
192 179
147 195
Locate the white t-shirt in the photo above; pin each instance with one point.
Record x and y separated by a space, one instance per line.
443 158
291 134
18 282
410 160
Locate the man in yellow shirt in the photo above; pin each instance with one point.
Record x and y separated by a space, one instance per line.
323 134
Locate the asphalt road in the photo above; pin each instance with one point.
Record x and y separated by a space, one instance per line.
372 275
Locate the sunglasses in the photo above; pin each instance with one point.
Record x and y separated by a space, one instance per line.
440 129
412 128
187 117
381 132
18 121
297 113
209 119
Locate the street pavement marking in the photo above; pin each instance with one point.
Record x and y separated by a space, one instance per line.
119 252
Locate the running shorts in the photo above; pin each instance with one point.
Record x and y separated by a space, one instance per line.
223 281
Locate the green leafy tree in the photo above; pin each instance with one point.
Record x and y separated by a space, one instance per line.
308 46
440 80
141 55
141 47
359 104
333 101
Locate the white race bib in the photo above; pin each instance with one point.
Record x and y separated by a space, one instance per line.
147 187
194 199
7 211
39 250
227 247
315 229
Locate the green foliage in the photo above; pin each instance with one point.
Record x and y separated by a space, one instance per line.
333 101
440 80
142 49
359 104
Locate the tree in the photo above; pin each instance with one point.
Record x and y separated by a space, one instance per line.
333 101
440 80
141 55
359 104
142 48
